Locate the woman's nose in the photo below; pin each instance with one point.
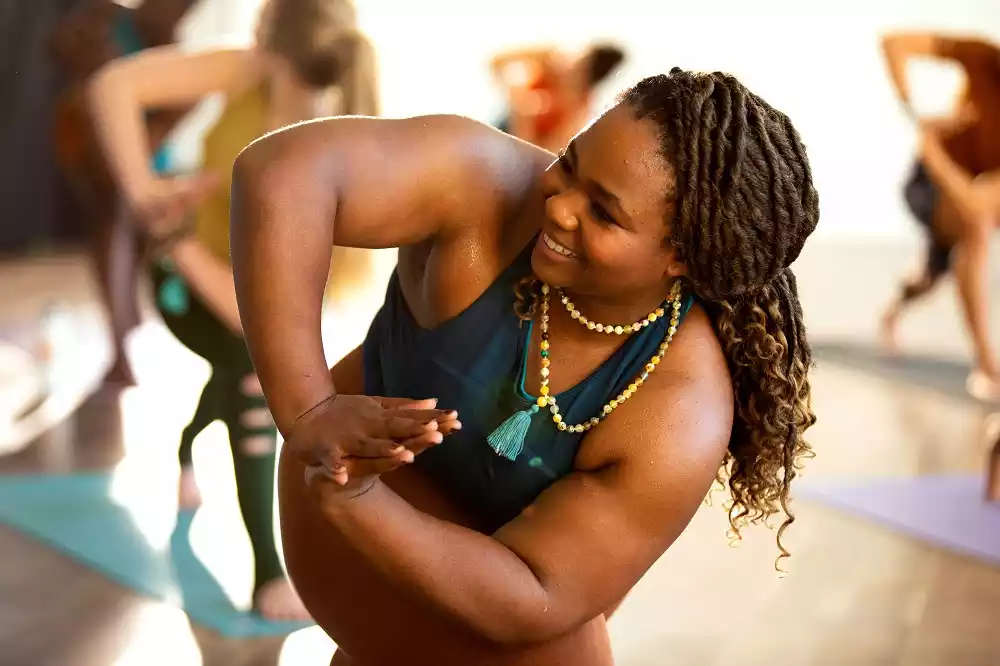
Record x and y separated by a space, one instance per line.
562 209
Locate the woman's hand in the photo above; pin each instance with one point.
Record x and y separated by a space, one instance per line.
351 439
163 203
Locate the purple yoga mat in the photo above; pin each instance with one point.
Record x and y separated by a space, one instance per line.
947 511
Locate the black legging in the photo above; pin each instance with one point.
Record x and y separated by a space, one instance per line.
922 197
229 397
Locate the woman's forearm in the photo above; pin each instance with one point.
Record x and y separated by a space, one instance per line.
468 575
211 279
281 241
121 131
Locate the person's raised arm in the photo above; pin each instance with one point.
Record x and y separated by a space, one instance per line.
955 180
161 78
354 182
899 48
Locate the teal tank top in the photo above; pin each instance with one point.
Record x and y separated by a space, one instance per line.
475 363
127 39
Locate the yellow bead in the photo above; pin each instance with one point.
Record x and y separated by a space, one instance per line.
614 403
561 426
628 329
639 381
557 418
619 330
546 362
607 409
544 390
659 312
650 367
655 360
544 345
575 314
542 401
626 394
633 388
651 317
591 325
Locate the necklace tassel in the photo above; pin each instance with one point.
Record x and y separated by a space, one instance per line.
508 439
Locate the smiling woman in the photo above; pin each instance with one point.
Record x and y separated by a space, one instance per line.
562 447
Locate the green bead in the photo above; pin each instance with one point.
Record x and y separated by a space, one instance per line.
545 353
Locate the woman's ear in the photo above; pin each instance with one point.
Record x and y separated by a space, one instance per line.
674 267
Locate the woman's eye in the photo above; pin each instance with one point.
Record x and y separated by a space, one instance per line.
601 213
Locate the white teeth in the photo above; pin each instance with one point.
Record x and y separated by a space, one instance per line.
556 247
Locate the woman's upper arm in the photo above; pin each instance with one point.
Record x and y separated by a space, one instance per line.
391 182
170 77
640 478
354 182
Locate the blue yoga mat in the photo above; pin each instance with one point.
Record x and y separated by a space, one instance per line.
75 515
946 511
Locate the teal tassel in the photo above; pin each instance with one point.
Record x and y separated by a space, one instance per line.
508 439
173 296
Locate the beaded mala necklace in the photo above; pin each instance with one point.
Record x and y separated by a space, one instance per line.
508 439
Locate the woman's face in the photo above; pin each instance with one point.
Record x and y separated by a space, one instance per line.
606 212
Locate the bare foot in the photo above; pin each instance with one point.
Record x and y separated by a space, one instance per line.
982 386
277 600
188 495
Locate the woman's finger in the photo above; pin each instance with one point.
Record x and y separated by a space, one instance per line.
421 443
399 428
407 403
373 447
423 415
448 427
362 467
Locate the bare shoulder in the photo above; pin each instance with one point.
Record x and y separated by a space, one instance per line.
437 170
682 414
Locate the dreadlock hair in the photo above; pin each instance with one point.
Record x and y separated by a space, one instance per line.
743 204
741 207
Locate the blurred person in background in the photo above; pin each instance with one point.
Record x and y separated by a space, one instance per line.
309 60
573 348
954 190
91 35
549 92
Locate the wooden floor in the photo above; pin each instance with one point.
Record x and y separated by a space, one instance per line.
857 594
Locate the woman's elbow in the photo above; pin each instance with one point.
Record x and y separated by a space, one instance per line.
512 632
